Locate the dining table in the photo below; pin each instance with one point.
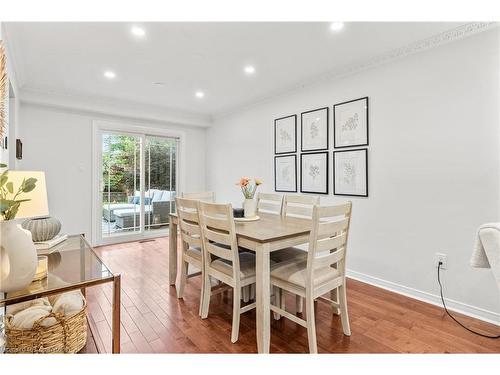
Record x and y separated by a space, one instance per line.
271 232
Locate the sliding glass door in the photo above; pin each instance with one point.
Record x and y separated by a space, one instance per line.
138 185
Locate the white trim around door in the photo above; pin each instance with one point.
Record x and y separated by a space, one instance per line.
98 128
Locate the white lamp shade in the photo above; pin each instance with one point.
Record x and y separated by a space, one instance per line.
37 206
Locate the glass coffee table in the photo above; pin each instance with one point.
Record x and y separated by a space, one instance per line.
72 265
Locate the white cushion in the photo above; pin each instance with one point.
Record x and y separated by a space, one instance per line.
296 273
166 196
247 265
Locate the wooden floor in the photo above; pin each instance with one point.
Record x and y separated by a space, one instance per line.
155 321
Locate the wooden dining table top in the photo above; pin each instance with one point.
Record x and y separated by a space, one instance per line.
271 227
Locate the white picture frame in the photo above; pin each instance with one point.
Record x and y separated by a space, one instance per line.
314 172
285 135
350 123
285 173
350 172
314 130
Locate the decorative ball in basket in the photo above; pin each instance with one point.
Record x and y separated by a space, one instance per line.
66 335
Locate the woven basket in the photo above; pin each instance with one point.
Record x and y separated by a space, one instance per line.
68 335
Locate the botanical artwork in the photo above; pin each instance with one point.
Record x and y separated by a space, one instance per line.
314 173
285 135
350 172
314 128
351 123
285 169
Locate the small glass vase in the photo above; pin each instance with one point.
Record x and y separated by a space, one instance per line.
249 207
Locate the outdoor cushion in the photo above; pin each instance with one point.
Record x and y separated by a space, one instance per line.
157 195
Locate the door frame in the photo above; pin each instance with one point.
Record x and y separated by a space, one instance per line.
98 128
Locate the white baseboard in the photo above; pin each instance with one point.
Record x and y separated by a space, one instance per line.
459 307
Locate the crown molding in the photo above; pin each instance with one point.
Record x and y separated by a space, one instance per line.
446 37
111 107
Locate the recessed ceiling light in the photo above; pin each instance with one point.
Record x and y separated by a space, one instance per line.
138 31
159 83
199 94
249 69
109 74
336 26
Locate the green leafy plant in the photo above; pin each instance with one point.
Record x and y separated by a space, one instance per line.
9 196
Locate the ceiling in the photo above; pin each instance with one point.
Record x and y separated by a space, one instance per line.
70 58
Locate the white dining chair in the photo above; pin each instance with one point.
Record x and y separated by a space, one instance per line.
222 259
192 245
205 196
300 206
269 203
323 271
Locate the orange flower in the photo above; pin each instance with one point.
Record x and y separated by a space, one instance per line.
244 181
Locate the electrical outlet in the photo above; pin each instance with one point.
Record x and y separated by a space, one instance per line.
443 258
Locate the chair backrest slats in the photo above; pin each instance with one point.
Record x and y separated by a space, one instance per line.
327 229
270 203
189 222
299 205
328 244
205 196
329 258
217 222
217 236
328 239
220 251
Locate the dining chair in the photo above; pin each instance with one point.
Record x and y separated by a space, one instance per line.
323 271
300 206
192 245
295 206
222 259
269 203
205 196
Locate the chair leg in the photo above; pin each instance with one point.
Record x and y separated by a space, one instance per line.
298 304
334 296
311 325
276 301
283 300
343 310
182 279
207 291
236 314
246 293
202 293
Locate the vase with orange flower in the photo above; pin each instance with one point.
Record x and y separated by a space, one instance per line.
248 188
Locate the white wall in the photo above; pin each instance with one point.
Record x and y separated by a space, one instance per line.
433 166
59 142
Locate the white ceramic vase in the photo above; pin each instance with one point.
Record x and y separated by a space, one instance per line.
18 258
249 207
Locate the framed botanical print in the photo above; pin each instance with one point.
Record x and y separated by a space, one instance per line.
314 130
314 172
350 123
350 172
285 173
285 135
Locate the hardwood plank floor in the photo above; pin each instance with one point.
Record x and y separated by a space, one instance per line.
153 320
